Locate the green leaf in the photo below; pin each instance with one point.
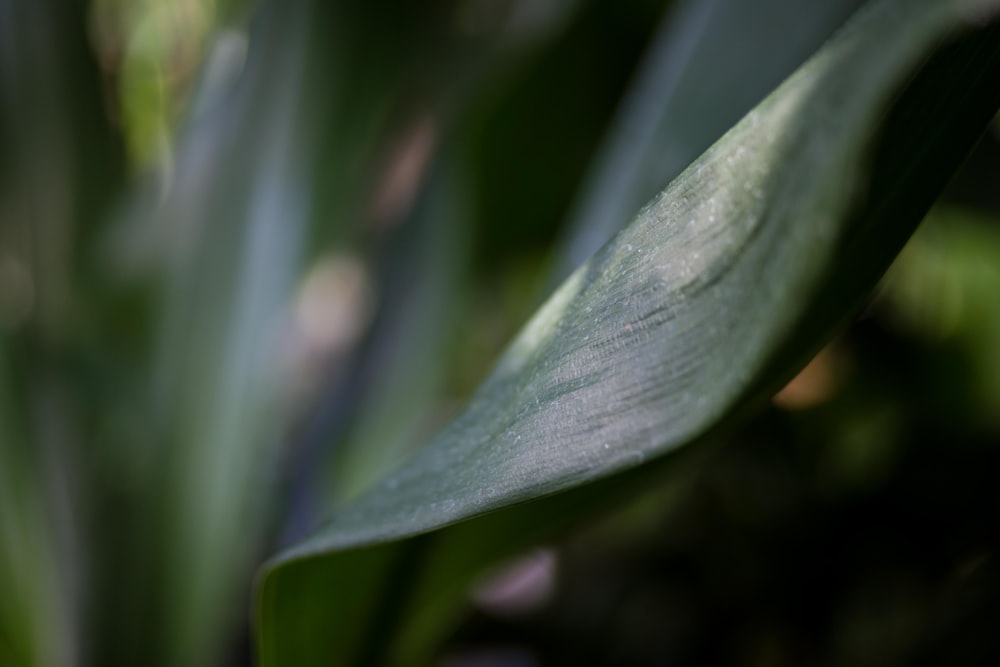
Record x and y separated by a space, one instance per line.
710 298
36 609
943 287
228 253
59 166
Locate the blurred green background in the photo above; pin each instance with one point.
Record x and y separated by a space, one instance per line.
252 254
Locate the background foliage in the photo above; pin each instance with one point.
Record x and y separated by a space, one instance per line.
252 255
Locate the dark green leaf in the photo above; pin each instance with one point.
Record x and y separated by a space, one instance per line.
719 289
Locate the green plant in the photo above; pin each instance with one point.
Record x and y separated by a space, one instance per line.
142 375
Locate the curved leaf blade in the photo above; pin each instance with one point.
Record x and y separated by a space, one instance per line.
708 299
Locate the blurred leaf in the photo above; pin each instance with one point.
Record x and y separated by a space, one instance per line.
59 163
415 339
267 174
943 287
555 100
227 239
36 610
713 295
426 220
214 408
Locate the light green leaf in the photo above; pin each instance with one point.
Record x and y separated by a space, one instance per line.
943 287
712 296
